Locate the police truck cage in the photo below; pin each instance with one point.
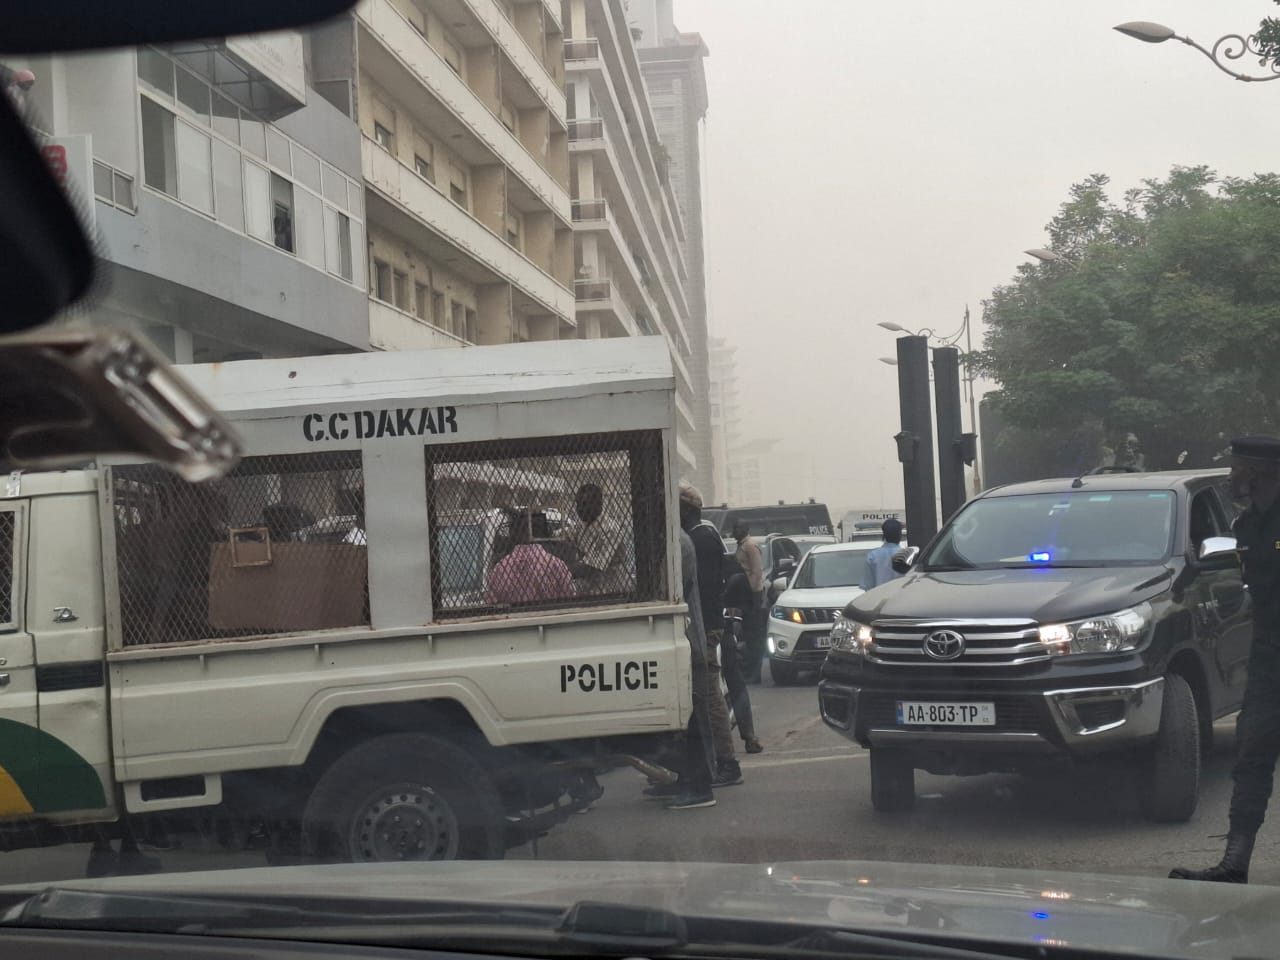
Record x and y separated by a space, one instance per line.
394 490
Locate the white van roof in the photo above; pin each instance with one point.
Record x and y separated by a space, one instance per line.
504 373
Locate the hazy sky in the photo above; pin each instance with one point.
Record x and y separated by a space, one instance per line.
874 160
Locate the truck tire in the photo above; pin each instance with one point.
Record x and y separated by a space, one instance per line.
784 674
893 781
1169 784
404 796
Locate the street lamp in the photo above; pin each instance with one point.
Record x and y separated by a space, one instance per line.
1232 47
1044 255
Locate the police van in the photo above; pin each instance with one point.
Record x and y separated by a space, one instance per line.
789 519
313 644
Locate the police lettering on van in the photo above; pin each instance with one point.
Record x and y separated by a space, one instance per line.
367 424
609 677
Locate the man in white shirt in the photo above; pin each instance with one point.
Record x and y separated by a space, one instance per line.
601 566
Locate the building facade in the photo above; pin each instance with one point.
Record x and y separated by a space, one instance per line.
675 78
631 274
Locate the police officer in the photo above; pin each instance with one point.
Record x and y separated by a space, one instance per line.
1255 477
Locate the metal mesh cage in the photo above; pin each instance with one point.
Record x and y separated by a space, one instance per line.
8 531
545 523
276 546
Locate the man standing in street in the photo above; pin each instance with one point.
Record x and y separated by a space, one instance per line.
752 564
879 567
709 549
1255 477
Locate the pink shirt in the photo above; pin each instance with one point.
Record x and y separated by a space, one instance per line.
528 574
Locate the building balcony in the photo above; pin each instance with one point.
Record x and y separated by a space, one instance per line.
400 40
539 75
432 209
591 129
577 51
393 329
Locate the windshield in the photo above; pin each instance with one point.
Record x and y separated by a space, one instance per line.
839 569
519 310
1048 530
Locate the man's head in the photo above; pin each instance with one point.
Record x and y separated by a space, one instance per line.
891 530
1255 470
740 530
518 526
690 506
589 503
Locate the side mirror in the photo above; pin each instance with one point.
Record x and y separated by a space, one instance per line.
904 560
786 566
779 586
1219 552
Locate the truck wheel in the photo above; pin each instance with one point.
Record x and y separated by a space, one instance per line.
404 796
784 674
1169 787
893 781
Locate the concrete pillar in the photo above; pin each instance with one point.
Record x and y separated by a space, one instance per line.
493 313
489 197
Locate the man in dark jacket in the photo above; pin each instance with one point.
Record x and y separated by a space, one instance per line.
1255 477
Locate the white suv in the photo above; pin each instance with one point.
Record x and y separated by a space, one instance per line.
800 622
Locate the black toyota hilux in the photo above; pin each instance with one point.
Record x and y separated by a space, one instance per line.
1065 618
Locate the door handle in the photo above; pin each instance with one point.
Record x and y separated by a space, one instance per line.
4 679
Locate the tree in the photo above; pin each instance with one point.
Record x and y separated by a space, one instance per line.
1268 37
1161 319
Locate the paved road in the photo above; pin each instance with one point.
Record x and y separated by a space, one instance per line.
807 797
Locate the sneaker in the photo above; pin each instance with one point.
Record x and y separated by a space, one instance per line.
729 775
691 801
662 791
753 745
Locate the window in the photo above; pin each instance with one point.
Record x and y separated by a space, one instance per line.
282 212
253 135
423 167
337 243
437 309
101 180
382 280
420 304
514 228
458 324
257 202
278 150
507 115
226 118
458 195
452 54
335 187
310 228
193 94
228 185
384 137
123 184
400 289
306 168
469 325
155 70
195 168
159 156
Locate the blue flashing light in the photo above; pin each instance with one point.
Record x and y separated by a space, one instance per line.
1040 556
1040 915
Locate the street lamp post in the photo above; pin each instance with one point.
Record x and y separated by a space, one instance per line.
1232 47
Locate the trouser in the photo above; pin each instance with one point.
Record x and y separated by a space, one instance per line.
756 622
717 708
1257 738
739 699
700 758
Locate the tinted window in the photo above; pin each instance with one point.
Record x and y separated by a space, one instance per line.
842 569
1067 529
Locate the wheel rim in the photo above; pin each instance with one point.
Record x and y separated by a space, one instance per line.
404 821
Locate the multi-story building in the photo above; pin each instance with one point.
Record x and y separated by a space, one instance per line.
723 411
463 143
229 202
672 65
631 274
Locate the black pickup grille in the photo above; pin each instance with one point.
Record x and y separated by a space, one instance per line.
985 644
820 614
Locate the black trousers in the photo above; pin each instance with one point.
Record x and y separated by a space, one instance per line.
1257 738
700 753
734 678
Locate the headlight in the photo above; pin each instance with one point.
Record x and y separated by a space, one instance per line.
849 636
790 614
1114 633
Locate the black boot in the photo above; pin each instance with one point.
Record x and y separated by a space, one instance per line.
1233 868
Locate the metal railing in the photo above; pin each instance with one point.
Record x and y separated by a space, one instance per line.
587 49
588 129
593 209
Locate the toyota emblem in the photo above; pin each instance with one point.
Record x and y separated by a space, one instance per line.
944 645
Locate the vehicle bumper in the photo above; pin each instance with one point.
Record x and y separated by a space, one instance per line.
796 644
1076 721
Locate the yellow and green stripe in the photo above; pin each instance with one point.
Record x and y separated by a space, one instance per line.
41 774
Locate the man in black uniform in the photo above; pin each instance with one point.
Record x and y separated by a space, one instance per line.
1255 477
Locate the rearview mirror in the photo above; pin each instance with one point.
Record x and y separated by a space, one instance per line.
904 560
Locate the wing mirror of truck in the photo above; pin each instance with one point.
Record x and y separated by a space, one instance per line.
786 567
1218 552
904 560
